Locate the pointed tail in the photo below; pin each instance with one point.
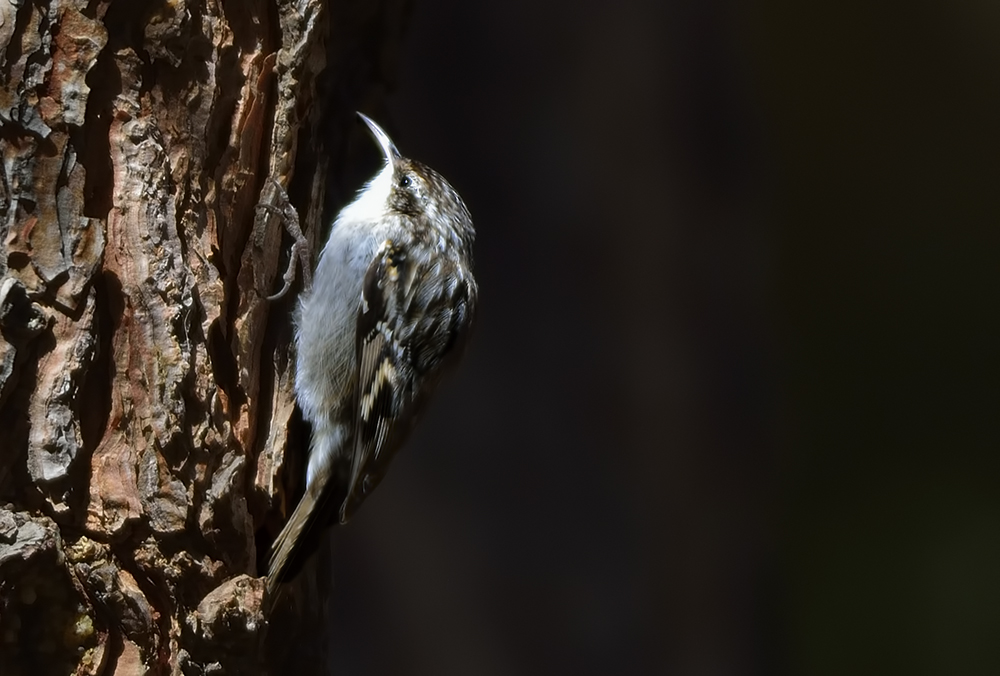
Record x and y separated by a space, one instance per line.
297 540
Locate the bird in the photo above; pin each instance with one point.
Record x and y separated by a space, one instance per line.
389 311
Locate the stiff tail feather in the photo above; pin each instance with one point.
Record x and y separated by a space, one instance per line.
296 541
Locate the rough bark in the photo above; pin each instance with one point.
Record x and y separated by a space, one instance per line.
145 382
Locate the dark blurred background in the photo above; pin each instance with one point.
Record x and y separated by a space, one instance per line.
732 403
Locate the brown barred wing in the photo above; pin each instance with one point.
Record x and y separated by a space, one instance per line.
412 316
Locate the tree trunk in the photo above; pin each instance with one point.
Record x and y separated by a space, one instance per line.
145 379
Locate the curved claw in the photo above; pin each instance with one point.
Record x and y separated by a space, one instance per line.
300 247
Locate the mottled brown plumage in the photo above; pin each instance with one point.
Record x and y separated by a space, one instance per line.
392 301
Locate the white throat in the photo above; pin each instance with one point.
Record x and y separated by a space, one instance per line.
372 200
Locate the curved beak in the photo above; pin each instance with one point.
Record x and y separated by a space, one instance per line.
388 147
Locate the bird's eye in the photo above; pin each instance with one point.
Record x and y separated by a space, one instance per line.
404 182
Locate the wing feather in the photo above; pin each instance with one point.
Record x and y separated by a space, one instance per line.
411 315
381 361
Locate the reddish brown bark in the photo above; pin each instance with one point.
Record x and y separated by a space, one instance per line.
145 391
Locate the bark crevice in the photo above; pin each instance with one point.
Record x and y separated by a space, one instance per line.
145 381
